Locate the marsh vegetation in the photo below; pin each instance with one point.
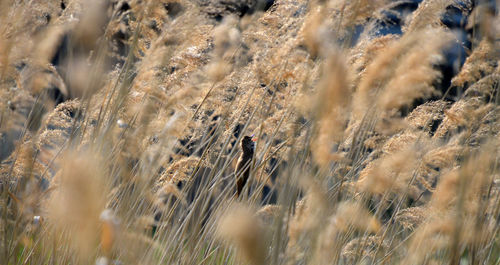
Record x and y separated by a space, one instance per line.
376 126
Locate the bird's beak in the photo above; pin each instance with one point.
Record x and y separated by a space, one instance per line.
254 139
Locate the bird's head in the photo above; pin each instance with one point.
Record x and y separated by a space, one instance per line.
248 145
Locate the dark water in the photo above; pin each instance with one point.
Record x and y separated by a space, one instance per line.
455 54
455 19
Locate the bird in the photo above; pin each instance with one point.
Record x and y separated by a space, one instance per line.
243 166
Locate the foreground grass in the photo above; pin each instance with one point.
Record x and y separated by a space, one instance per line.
368 157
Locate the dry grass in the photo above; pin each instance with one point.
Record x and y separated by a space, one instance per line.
120 123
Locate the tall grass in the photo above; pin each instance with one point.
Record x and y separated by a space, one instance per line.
120 124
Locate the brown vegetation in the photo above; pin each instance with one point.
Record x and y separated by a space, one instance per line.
120 124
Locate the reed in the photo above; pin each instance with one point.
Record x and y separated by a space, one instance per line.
121 122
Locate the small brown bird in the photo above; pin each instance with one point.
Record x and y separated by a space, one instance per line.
248 148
